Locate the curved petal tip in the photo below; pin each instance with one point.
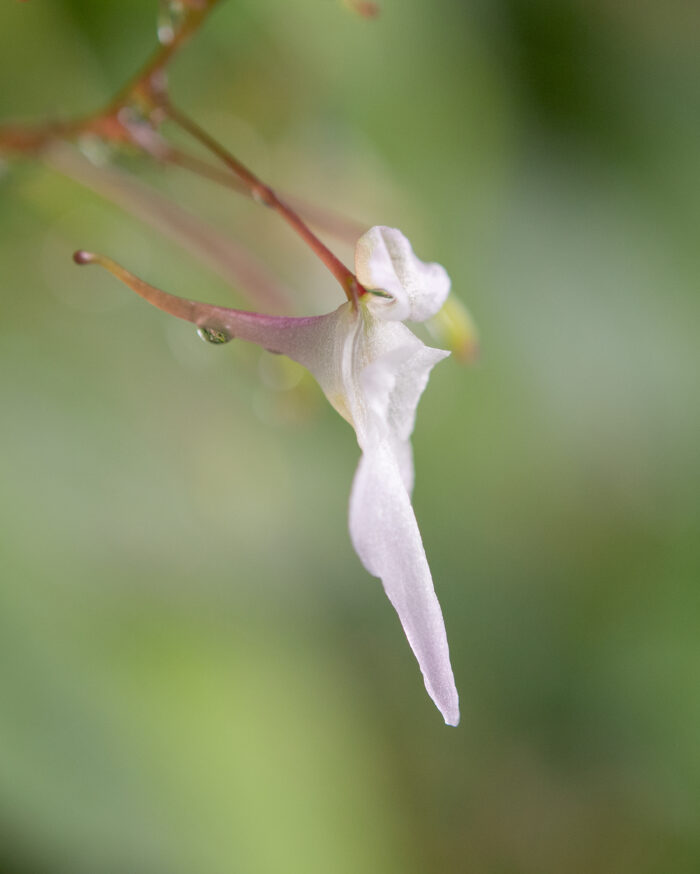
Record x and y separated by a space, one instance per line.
414 290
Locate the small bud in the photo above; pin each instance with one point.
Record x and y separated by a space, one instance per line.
454 326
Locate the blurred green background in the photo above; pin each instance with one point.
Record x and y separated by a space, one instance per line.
196 673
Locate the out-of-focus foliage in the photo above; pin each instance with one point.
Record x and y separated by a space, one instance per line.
195 672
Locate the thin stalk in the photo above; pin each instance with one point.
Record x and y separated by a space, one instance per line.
161 57
342 228
265 195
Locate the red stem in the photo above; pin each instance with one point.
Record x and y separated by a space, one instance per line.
265 195
346 229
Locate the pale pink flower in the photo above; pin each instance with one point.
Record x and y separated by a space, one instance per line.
373 371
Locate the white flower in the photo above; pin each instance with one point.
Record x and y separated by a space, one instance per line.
373 370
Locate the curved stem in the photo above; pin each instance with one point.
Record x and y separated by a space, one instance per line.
265 195
339 226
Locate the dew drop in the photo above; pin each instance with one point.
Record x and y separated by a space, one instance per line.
170 16
166 34
216 336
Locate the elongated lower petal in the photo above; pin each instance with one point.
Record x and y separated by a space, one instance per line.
391 386
385 535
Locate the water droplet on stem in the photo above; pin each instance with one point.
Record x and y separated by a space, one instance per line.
216 336
170 15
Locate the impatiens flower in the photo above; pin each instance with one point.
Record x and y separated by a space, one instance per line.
373 370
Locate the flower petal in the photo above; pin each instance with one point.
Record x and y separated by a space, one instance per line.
385 261
385 535
391 385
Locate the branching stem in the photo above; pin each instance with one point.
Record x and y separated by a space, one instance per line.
148 90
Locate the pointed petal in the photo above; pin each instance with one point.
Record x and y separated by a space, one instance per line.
385 261
385 535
